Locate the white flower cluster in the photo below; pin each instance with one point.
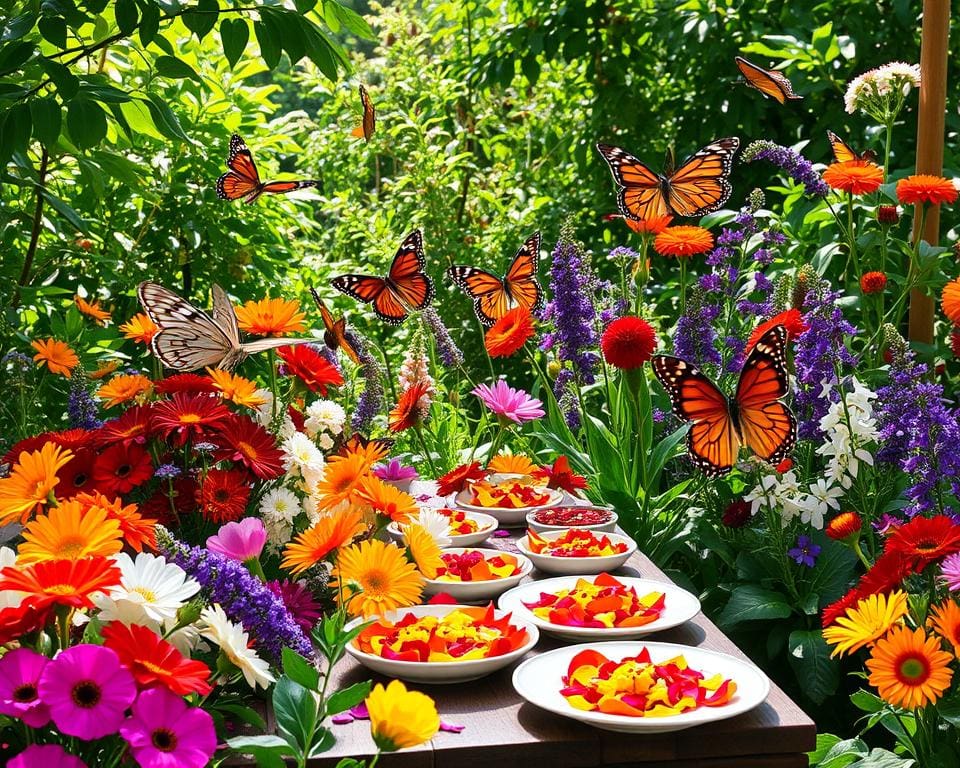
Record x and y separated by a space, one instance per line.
325 420
264 416
881 91
279 507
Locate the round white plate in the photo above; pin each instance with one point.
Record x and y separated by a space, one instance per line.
680 607
608 527
440 672
486 525
578 566
539 680
478 591
509 518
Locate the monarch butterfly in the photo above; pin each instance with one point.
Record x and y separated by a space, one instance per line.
243 179
368 121
493 296
769 82
843 153
754 417
404 289
335 331
356 440
700 185
189 338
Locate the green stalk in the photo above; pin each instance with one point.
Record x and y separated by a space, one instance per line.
272 362
426 451
851 235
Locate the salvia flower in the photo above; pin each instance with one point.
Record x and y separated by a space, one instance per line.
82 410
447 349
798 167
371 400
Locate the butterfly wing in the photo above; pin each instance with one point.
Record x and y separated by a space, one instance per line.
639 190
766 425
262 345
701 185
521 279
224 315
769 82
283 187
335 331
243 179
356 440
844 153
368 122
407 279
490 299
713 442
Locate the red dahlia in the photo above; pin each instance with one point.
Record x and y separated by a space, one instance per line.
76 476
188 417
121 468
190 383
247 442
628 342
737 514
223 495
171 501
873 282
312 368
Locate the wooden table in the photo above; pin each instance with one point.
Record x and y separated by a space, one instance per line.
505 731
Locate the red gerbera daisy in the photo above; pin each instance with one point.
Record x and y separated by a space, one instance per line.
132 427
562 477
121 468
18 620
223 495
28 444
74 439
925 539
456 479
184 382
792 320
62 582
172 501
312 368
251 445
839 607
76 476
187 417
409 411
155 661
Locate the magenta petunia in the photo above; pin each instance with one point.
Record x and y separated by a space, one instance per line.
20 672
46 756
164 731
241 541
87 690
396 473
509 403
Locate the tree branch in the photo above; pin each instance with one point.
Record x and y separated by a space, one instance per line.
37 226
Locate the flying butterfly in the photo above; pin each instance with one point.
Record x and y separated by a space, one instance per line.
754 417
368 121
769 82
406 287
189 338
356 440
335 331
243 178
492 296
844 153
700 185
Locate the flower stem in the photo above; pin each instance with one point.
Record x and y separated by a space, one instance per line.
426 451
272 362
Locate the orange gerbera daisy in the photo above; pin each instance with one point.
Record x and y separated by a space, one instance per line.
652 226
104 369
375 577
92 309
124 388
516 464
386 499
923 188
509 333
31 482
683 241
409 412
70 532
857 177
270 317
951 301
945 620
844 526
57 356
139 328
326 536
236 388
908 668
62 582
136 529
341 478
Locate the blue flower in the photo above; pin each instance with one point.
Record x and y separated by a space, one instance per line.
805 552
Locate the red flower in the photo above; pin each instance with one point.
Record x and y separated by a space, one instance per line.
223 495
925 539
76 476
785 466
155 661
62 582
408 412
456 479
187 417
844 526
179 497
17 621
873 282
792 320
888 214
121 468
74 439
509 333
628 342
131 427
251 445
955 341
838 608
737 514
312 368
28 444
562 477
184 382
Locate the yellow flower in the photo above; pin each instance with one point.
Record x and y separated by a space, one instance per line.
70 532
139 328
908 669
516 464
865 622
236 388
400 719
31 482
374 577
92 310
423 549
57 355
315 543
270 317
123 388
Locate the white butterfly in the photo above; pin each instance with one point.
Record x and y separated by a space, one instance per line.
189 338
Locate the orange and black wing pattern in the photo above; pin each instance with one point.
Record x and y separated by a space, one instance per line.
770 83
357 441
243 179
844 153
701 184
639 190
368 120
335 331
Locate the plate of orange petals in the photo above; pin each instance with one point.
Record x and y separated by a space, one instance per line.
508 498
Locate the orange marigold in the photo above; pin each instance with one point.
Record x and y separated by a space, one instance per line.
57 356
857 177
683 241
873 282
104 369
236 388
509 333
923 188
92 309
123 388
270 317
951 301
139 328
31 482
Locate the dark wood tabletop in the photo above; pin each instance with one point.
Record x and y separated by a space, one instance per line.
503 730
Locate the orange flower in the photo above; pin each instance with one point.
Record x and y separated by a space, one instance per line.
137 530
123 388
683 241
327 535
341 477
873 282
385 499
922 188
843 526
515 464
62 582
57 355
652 226
858 177
236 388
509 333
104 369
270 317
92 310
909 669
945 621
409 412
31 482
139 328
951 301
69 532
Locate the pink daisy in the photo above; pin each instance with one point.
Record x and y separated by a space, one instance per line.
46 756
20 672
509 403
239 541
298 601
163 731
950 571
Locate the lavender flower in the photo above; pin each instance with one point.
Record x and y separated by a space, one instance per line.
242 595
17 361
449 352
81 407
805 552
695 338
623 254
370 402
798 167
166 471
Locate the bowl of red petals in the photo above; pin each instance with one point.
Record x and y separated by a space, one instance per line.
563 517
441 643
576 551
508 498
475 575
467 529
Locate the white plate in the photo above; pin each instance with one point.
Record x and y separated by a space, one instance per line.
679 607
578 566
510 518
608 527
538 680
440 672
487 524
478 591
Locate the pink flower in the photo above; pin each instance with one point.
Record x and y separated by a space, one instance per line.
509 403
950 571
20 672
396 474
87 690
163 731
46 756
239 541
298 600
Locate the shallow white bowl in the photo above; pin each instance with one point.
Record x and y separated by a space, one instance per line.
680 607
478 591
509 518
579 566
487 525
538 680
440 672
609 527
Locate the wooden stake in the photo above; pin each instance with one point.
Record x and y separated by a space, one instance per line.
935 34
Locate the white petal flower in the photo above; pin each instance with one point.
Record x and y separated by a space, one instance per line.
300 453
324 416
151 591
435 523
9 598
234 641
280 503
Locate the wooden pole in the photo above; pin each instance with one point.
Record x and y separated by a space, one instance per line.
934 39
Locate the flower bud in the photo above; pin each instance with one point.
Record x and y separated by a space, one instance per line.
553 369
888 214
873 282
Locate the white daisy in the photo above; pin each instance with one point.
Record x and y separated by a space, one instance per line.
9 598
233 642
301 454
151 591
435 523
280 503
324 416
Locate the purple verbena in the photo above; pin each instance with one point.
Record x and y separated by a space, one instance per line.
796 165
371 399
82 411
695 338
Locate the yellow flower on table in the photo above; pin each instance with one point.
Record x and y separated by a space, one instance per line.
400 719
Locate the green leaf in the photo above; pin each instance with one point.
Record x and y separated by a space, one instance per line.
202 20
104 93
66 82
235 34
296 711
15 133
883 758
126 14
300 670
66 211
267 750
809 657
348 697
149 22
15 55
949 709
18 26
53 29
137 119
751 602
170 66
304 6
530 67
351 762
866 701
165 119
86 122
119 167
47 120
269 42
351 21
247 714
